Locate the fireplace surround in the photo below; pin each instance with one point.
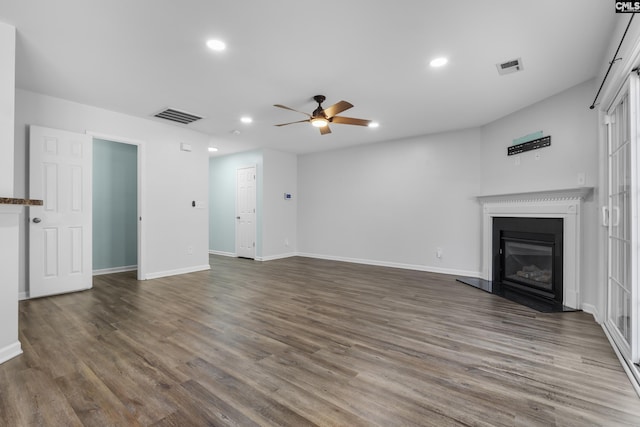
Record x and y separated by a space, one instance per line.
564 205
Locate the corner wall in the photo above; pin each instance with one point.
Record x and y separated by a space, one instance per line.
574 149
280 216
276 218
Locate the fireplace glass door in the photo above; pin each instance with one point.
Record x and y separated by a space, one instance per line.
529 263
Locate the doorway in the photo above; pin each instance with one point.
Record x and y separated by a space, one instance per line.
118 206
621 219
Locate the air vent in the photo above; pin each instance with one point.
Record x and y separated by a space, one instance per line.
509 67
177 116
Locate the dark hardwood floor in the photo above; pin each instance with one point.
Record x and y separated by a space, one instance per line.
299 342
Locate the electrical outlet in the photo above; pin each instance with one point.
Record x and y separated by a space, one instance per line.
582 178
517 160
537 156
439 253
286 242
190 250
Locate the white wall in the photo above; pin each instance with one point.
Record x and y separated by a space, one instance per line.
279 216
394 203
172 178
574 149
573 129
7 95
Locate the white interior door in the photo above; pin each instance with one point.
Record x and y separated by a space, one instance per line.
246 212
622 305
60 166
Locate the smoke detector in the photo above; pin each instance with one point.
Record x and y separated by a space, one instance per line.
509 67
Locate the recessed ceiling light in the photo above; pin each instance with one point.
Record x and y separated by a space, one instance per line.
374 124
212 149
246 119
438 62
217 45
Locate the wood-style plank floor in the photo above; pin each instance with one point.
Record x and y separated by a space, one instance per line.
299 342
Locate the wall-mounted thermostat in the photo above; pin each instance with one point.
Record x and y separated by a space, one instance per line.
185 147
288 196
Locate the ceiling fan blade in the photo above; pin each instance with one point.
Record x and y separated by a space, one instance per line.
350 121
299 121
337 109
291 109
325 130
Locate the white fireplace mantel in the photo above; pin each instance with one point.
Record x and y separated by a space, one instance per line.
563 204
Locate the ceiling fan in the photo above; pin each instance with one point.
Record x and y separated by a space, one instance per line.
321 117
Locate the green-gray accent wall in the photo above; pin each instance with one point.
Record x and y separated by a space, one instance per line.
115 198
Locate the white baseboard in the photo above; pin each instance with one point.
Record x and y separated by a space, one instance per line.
634 377
114 270
176 272
229 254
427 268
593 310
10 351
274 257
23 296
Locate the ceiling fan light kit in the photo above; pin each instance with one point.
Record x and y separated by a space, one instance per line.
321 117
319 122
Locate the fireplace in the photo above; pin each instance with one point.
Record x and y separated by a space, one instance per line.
527 256
564 205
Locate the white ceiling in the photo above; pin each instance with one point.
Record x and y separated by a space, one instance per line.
140 56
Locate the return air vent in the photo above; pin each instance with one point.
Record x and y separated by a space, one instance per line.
177 116
509 67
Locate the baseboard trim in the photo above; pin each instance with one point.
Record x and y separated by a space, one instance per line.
10 351
176 272
274 257
221 253
635 380
592 310
114 270
23 296
427 268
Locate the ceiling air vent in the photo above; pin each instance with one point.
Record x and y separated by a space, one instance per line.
509 66
177 116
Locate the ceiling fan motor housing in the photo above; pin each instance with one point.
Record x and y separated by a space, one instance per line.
319 112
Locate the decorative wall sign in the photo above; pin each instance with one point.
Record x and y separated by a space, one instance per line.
535 135
528 146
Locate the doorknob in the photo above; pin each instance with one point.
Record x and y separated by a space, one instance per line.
237 217
37 220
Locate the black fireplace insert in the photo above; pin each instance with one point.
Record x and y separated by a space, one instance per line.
527 256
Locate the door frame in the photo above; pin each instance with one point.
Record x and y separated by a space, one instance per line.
141 194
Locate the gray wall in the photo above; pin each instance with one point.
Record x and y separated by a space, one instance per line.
395 203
